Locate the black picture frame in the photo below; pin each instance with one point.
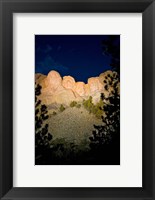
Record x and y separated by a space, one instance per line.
7 8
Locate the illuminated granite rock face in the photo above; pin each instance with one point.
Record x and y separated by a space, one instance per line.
63 90
68 82
80 88
53 80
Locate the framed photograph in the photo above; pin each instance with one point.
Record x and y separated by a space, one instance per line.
74 115
77 99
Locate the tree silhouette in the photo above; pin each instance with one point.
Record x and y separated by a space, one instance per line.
106 137
111 48
42 136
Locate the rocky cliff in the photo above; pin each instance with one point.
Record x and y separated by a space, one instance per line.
63 90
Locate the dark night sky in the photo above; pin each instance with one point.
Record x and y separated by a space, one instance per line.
80 56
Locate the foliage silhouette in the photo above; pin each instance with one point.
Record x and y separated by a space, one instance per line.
73 104
105 138
111 48
42 136
93 108
62 108
54 113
